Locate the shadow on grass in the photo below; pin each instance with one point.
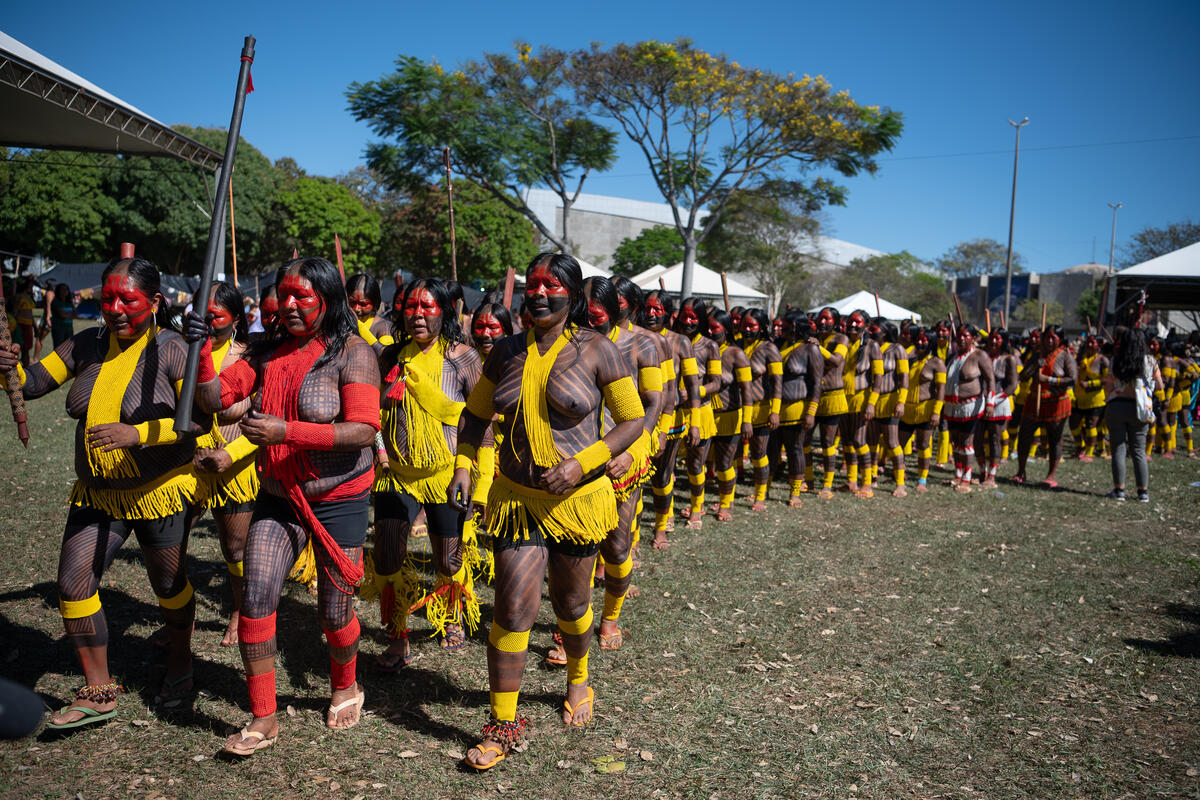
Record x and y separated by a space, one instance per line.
1185 644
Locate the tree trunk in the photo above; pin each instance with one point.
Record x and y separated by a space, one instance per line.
689 263
565 246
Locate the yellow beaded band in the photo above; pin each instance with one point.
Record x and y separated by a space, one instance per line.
623 401
78 609
178 601
577 626
593 456
507 641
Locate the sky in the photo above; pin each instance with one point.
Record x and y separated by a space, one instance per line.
1110 89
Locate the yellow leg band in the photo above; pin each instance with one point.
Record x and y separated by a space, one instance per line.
612 606
578 626
504 705
236 568
827 481
78 609
760 491
508 642
797 486
178 601
726 500
727 474
577 669
619 570
759 463
696 480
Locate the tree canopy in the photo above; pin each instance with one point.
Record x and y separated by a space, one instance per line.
310 211
978 257
655 245
900 277
708 126
1151 242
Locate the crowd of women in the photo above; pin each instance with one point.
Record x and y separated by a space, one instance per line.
521 446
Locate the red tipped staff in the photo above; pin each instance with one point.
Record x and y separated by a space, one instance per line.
509 279
958 310
878 313
725 292
450 201
987 319
233 234
16 398
1003 324
662 284
337 248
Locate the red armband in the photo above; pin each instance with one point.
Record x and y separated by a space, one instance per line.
237 380
206 372
360 403
309 435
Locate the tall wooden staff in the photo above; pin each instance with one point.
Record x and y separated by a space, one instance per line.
233 234
450 200
510 277
16 398
337 249
878 313
725 292
183 410
987 319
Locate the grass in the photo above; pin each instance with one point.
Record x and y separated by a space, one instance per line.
1008 644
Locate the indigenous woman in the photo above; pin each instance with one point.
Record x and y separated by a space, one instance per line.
923 405
628 470
970 389
268 314
1185 386
803 368
1052 374
362 291
427 378
1166 404
490 323
703 352
733 411
224 458
62 314
133 475
552 503
892 392
765 394
833 406
863 376
1089 397
681 386
315 389
991 435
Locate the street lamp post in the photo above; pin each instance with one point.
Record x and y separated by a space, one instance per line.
1012 211
1112 245
1110 293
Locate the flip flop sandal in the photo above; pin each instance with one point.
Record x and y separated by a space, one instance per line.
393 662
331 714
168 697
484 749
260 739
589 701
758 506
795 502
90 717
454 640
611 641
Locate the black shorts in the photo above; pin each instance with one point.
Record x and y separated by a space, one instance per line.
152 534
538 539
442 519
235 507
346 519
966 426
830 419
920 426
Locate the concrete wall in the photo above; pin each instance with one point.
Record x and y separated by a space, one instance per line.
596 236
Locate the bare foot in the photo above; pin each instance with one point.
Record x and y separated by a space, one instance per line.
230 639
632 592
899 491
795 502
825 494
345 708
922 488
724 515
660 540
577 708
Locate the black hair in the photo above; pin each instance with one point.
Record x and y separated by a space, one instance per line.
267 291
339 321
701 309
455 290
667 303
1056 330
148 280
739 310
1129 353
497 310
1005 339
725 319
228 297
1177 348
969 328
888 329
601 290
764 322
633 294
802 324
566 269
837 316
450 331
362 282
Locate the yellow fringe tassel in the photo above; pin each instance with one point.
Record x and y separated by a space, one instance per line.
305 569
160 498
584 516
406 590
425 486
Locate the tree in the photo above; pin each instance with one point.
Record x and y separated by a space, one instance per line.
978 257
307 215
708 126
1151 242
767 233
900 277
1089 305
490 236
656 245
1029 311
509 123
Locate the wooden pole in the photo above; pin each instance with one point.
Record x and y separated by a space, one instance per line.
509 279
450 201
16 399
1002 322
987 319
878 313
337 248
233 234
725 292
958 310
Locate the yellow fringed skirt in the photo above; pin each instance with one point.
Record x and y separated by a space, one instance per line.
833 401
166 495
584 515
427 486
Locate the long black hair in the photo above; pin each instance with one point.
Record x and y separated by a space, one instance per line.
725 319
634 297
339 321
1005 340
701 309
1129 353
601 290
497 310
442 295
148 280
229 298
566 269
764 323
667 303
362 282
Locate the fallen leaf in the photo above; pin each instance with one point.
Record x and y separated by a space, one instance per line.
1192 772
620 744
828 632
692 606
895 731
198 759
409 754
334 786
455 754
812 728
646 755
1147 695
291 711
141 723
563 765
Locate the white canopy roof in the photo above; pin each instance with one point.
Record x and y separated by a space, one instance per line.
866 301
1181 263
705 284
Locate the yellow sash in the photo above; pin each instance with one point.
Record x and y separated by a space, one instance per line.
426 406
534 379
104 405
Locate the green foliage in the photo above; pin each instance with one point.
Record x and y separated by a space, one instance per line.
656 245
1089 305
1151 242
978 257
307 216
509 124
62 211
900 277
490 236
1029 313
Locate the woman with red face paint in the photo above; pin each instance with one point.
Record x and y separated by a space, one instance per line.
362 291
681 386
833 347
225 460
802 372
428 375
315 410
991 436
970 393
862 376
924 401
133 476
765 394
702 351
552 503
1052 373
490 323
733 409
890 406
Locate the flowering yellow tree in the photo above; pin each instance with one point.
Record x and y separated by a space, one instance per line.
709 126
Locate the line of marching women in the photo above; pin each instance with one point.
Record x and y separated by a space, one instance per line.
524 453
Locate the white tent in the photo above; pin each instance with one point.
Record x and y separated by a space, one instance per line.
866 301
1184 262
1171 281
706 285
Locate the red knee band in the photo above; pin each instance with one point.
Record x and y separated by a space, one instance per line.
360 403
344 637
254 631
237 381
262 692
342 676
311 435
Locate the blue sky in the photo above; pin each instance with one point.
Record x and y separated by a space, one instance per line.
1110 88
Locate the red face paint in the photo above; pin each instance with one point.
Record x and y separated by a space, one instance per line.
995 342
750 325
127 310
622 304
1050 342
545 295
689 320
825 320
270 310
222 318
855 324
965 339
362 307
422 315
656 313
1153 347
300 306
777 327
716 330
597 315
486 326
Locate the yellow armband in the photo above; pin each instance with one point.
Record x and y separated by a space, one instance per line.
744 375
689 367
364 331
775 368
714 366
824 353
872 397
487 472
650 379
841 350
157 431
810 408
703 392
239 448
479 402
465 456
775 404
668 370
387 340
937 406
747 414
593 456
623 401
666 420
57 369
876 366
20 377
1160 394
939 377
902 366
